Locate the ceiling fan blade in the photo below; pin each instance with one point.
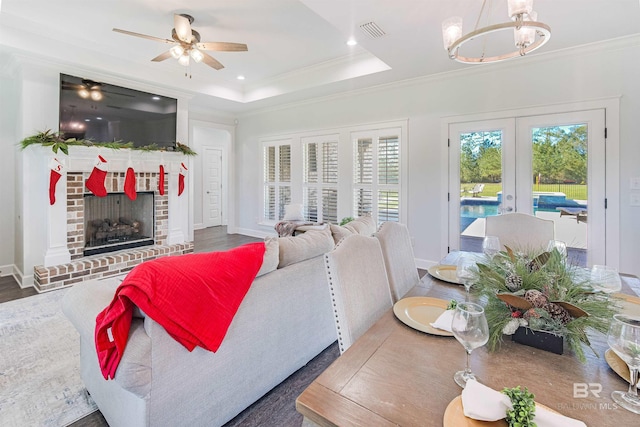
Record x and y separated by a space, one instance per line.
144 36
211 61
222 46
162 56
182 25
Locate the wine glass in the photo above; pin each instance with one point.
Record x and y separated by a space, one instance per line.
466 272
469 326
624 340
491 246
558 245
605 279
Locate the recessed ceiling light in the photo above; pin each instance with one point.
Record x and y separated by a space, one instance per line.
155 98
98 118
87 120
240 77
352 42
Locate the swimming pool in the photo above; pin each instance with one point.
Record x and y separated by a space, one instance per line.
472 209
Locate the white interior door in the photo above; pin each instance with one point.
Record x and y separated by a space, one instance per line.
551 166
212 186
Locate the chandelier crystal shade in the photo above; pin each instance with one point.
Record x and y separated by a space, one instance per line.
529 34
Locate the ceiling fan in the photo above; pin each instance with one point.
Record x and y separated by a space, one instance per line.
187 44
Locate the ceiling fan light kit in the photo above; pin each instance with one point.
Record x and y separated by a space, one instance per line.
187 44
529 34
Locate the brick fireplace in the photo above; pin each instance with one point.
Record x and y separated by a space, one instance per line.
67 263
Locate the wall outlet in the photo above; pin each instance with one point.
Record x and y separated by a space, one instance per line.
634 183
634 199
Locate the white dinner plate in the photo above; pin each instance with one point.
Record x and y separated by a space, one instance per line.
419 312
446 273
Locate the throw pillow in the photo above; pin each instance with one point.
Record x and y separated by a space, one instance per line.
338 232
293 212
364 225
304 246
271 256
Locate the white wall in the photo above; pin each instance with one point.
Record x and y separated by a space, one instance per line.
9 102
591 73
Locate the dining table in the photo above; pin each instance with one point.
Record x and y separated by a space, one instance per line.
395 374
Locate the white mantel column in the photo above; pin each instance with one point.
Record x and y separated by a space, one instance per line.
57 251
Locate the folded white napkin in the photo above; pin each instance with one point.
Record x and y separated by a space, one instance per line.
444 321
482 403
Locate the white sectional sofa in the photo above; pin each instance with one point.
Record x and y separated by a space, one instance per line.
283 322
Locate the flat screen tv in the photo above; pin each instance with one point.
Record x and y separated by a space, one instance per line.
103 112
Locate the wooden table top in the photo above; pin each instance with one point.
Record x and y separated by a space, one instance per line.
395 375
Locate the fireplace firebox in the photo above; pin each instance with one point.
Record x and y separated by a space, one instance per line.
116 222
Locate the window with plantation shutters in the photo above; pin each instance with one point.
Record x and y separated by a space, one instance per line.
320 178
376 172
277 179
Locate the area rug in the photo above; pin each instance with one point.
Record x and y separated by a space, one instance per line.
40 381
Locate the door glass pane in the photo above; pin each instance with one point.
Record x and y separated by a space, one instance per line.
480 184
560 184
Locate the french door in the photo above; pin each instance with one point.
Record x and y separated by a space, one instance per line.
551 166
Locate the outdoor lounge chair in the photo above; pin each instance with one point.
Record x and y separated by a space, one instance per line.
477 189
579 213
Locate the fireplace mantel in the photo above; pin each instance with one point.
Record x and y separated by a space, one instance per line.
46 226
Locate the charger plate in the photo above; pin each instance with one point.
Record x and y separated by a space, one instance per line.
419 312
446 273
630 304
454 416
618 365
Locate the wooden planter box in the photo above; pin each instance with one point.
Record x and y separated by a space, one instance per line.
539 339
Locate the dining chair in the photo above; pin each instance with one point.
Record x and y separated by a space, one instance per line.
359 287
399 261
520 231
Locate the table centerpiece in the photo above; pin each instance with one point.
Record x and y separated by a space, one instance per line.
544 294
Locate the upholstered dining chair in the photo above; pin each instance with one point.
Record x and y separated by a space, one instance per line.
359 286
399 261
520 231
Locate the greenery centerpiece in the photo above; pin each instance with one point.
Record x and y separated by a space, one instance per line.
544 293
54 140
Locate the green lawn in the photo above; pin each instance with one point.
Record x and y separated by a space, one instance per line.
573 191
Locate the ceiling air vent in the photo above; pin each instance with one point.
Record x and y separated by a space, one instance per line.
372 30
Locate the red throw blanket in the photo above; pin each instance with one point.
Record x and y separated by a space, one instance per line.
194 297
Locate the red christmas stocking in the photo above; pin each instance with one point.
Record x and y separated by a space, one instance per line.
161 180
54 176
183 171
95 182
130 184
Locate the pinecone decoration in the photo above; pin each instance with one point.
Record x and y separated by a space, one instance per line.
557 312
533 265
536 298
513 282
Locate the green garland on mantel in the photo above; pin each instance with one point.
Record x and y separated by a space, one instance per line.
53 139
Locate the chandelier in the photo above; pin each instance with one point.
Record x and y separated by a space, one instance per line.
529 34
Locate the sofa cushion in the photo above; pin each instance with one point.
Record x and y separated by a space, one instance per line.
364 225
338 232
271 256
304 246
